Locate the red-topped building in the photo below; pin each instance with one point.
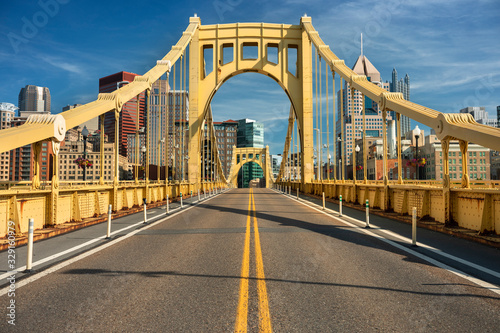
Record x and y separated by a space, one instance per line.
128 115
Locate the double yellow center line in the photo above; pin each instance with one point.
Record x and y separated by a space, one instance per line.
242 316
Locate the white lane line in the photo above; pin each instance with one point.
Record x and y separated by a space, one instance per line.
439 264
83 255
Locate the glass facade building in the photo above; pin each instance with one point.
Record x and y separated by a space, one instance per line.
250 134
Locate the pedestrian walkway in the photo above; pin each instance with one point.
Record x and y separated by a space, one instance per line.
74 239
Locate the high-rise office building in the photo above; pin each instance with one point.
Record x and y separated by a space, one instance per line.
7 113
127 121
226 136
353 110
34 98
402 86
250 134
498 116
176 113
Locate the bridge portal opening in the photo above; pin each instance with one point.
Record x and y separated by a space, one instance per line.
251 175
254 96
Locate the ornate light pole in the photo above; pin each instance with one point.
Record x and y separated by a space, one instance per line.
417 136
143 149
341 174
85 134
357 149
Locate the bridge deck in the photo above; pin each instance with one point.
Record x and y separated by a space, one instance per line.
318 272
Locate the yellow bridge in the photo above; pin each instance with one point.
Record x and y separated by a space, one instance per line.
205 57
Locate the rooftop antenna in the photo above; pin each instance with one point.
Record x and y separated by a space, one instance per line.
361 45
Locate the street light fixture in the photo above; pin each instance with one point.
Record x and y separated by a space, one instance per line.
318 151
143 149
357 149
85 134
339 153
417 136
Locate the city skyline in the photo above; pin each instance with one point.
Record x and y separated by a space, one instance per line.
426 41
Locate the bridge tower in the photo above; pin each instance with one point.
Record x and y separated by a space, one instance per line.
226 46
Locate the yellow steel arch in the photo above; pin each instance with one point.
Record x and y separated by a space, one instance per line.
215 40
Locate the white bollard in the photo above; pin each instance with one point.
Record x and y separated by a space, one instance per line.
168 205
340 205
108 232
323 200
204 194
367 214
297 194
198 194
29 259
414 227
181 200
145 212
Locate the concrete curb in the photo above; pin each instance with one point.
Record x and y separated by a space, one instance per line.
493 241
45 233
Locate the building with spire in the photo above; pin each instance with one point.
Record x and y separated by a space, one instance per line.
353 111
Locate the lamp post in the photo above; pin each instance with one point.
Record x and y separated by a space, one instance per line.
339 140
357 149
318 160
340 169
329 162
85 133
143 149
417 136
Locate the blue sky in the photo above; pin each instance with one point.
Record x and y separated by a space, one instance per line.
450 49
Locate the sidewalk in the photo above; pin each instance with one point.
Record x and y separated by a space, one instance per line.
71 239
456 231
63 228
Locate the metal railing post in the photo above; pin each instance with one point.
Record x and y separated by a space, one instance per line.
168 205
108 232
29 259
367 214
323 200
414 227
297 194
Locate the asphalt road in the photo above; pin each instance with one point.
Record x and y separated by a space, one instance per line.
223 265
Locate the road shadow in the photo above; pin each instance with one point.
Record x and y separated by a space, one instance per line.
343 233
160 274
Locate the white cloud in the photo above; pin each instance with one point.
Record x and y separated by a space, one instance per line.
58 63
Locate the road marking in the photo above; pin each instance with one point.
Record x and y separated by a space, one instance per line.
241 317
436 263
428 247
264 316
63 264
